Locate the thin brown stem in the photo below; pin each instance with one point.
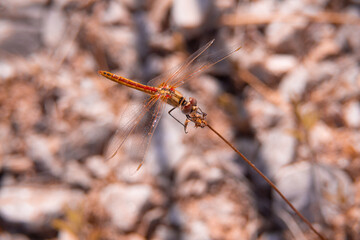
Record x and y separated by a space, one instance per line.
268 181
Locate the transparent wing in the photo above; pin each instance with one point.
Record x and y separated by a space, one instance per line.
142 121
201 64
197 63
136 133
173 73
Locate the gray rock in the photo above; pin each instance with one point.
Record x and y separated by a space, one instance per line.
97 166
352 114
263 114
41 151
7 70
8 236
320 136
76 174
280 63
87 100
293 84
323 71
116 13
87 140
165 232
31 207
283 36
190 13
320 189
150 221
350 33
125 204
192 16
21 39
54 27
176 216
133 5
167 148
66 235
277 150
17 164
198 231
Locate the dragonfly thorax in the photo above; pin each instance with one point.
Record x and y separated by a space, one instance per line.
171 96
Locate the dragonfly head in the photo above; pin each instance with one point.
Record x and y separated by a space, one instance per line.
189 106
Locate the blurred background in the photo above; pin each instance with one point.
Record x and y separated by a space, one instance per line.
289 100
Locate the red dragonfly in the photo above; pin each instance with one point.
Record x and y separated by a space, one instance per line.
162 91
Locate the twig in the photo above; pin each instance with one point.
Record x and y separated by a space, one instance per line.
268 181
256 19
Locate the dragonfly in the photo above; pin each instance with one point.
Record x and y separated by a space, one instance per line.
162 91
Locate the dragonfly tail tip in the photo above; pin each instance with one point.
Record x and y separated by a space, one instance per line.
138 168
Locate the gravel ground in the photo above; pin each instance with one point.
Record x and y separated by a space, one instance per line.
289 100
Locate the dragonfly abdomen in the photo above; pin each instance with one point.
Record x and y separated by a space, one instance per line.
127 82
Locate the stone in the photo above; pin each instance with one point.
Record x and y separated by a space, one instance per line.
198 231
116 13
283 36
280 63
167 148
6 70
192 16
17 164
41 151
87 140
151 220
352 114
190 13
66 235
320 136
165 232
125 204
54 27
31 207
320 189
21 39
96 165
293 84
77 175
7 236
277 149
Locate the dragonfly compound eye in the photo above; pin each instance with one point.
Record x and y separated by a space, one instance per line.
186 108
192 101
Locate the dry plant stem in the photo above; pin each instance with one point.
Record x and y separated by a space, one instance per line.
268 181
263 89
255 19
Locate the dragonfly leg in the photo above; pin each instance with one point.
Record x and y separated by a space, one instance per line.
176 118
201 112
186 124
